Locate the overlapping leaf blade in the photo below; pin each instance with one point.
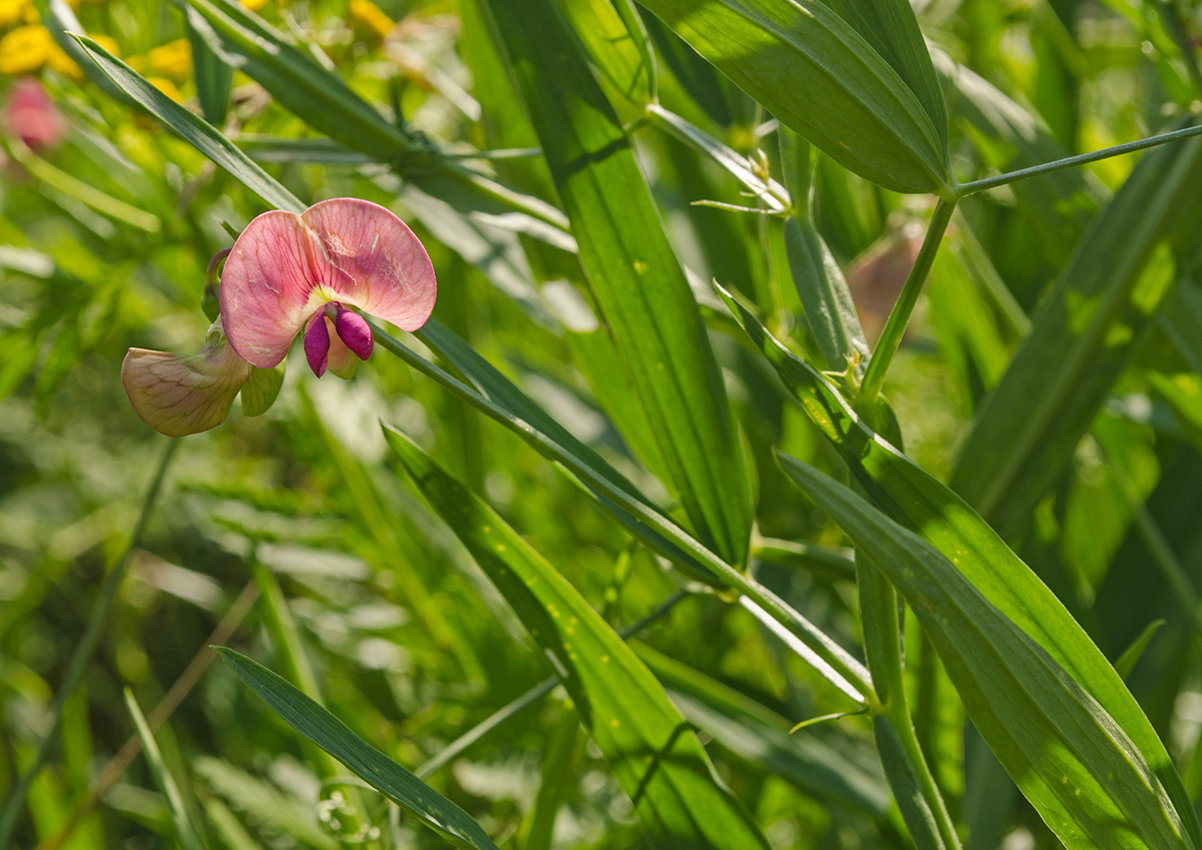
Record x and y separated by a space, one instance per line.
1074 763
195 131
369 764
821 78
638 281
1082 339
913 498
646 741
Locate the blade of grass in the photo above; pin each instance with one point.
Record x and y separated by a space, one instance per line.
646 742
369 764
82 656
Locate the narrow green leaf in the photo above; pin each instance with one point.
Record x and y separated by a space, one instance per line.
200 135
557 779
912 497
640 285
1083 338
185 830
820 77
59 19
302 86
1131 655
610 45
369 764
830 313
1181 321
759 736
646 741
1072 761
642 519
891 27
212 76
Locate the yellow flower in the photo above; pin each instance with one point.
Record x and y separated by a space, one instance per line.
255 5
368 15
166 87
172 60
12 11
25 50
61 62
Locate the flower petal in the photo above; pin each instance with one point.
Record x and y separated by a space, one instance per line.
387 271
342 361
179 395
317 343
271 286
354 331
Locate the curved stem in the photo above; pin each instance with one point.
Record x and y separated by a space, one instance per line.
895 327
83 652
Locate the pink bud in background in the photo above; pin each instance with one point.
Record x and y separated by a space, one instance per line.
31 115
290 273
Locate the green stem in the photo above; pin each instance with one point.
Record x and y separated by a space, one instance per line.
1068 162
83 652
895 327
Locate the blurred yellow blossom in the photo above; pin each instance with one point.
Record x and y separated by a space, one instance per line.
166 87
369 17
12 11
173 60
255 5
26 49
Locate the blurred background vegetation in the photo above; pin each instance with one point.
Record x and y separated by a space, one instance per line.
107 222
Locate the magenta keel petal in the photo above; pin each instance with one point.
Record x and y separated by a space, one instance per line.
353 330
317 344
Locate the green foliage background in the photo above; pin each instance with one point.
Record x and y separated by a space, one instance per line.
1051 375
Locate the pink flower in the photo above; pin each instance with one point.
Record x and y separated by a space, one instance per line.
289 273
31 116
180 395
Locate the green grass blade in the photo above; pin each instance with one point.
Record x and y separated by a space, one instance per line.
646 741
891 27
185 830
369 764
611 47
649 524
212 75
1083 338
1073 762
1131 655
814 72
638 281
760 737
205 138
912 497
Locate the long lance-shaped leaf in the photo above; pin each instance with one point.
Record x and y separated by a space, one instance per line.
910 496
648 744
891 27
380 772
638 281
821 78
185 829
213 78
1071 759
612 48
650 525
1082 339
202 136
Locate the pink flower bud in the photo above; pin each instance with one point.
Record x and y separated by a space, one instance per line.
317 344
353 330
